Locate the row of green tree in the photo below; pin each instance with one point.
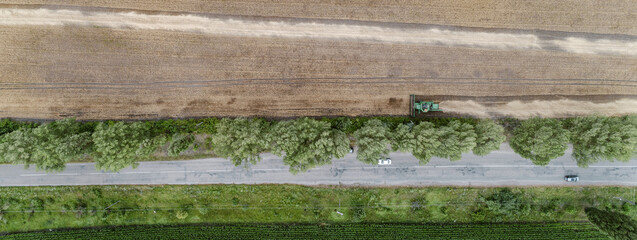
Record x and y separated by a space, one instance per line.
594 139
305 143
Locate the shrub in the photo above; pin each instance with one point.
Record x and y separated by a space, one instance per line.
507 203
340 123
8 125
418 204
181 215
179 143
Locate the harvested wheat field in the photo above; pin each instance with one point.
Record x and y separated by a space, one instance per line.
147 59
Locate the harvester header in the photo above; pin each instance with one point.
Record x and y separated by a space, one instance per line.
422 106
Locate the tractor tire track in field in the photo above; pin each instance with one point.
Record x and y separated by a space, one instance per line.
321 80
316 29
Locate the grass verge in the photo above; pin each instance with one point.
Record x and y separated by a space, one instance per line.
36 208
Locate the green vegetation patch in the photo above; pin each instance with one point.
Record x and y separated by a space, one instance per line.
553 231
617 225
37 208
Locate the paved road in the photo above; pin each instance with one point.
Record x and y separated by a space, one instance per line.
497 169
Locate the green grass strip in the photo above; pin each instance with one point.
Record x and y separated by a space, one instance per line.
38 208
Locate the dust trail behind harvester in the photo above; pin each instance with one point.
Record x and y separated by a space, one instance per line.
207 25
541 108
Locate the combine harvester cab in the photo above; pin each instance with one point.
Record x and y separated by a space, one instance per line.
422 106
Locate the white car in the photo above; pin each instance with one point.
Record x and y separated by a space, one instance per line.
384 161
571 178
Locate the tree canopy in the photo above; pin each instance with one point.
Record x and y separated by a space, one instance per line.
597 138
58 143
49 146
241 140
402 139
617 225
307 143
540 140
17 147
425 141
489 137
372 140
119 145
455 138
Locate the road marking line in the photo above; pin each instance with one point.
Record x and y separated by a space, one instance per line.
525 166
345 168
32 175
177 171
612 166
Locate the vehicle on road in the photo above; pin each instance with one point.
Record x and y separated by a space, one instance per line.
386 161
571 178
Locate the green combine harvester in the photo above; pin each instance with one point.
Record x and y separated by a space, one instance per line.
422 106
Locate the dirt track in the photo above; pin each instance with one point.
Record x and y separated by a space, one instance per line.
102 73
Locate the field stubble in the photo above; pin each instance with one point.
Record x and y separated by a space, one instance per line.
100 73
608 17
